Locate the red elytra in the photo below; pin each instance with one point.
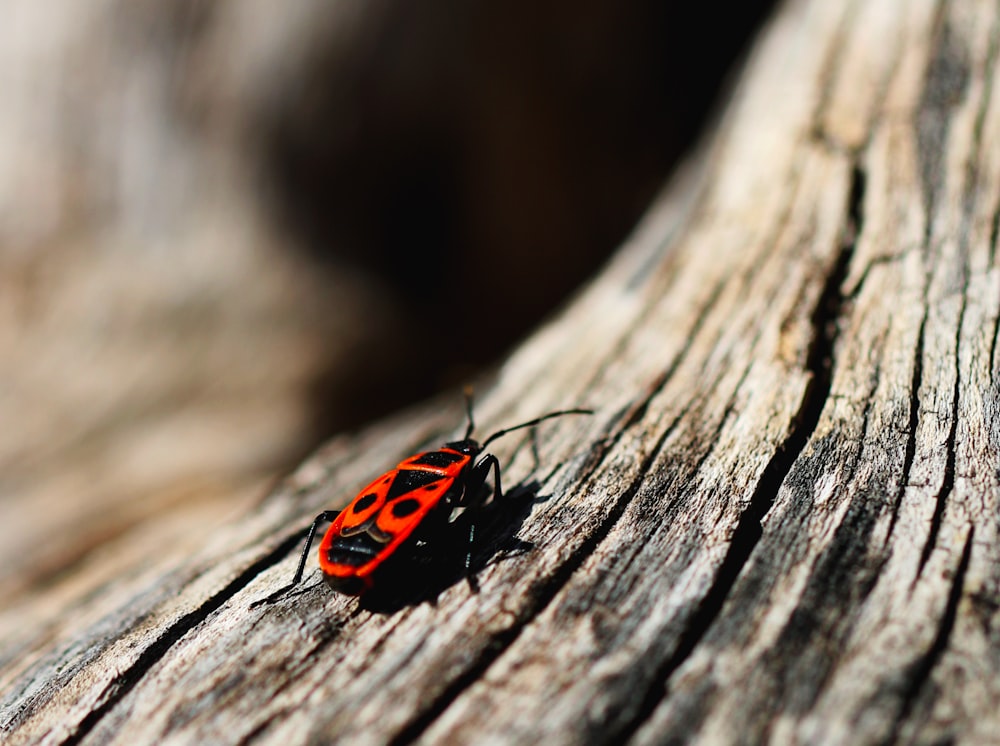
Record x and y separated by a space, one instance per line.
388 512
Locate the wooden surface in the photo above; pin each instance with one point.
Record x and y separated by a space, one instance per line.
163 350
780 525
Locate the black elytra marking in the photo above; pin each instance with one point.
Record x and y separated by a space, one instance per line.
353 551
408 480
365 502
439 458
405 507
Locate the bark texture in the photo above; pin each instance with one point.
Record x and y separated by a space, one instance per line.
779 526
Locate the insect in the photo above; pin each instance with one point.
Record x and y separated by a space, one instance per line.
420 491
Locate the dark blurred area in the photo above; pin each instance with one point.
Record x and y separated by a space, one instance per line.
483 159
229 229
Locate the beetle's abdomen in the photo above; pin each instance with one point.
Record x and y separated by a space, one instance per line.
353 551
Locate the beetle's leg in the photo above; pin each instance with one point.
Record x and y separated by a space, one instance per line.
477 478
473 491
325 517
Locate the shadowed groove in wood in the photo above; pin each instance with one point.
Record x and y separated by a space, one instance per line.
949 465
949 468
126 680
924 666
331 633
911 439
819 362
971 177
932 121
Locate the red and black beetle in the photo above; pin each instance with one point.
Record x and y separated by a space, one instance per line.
385 514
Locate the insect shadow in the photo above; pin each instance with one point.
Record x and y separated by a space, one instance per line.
440 559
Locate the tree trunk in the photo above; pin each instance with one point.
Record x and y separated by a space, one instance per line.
780 525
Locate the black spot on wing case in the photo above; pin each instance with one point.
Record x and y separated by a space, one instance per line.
408 480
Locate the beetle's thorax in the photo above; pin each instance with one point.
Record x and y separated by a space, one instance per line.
468 446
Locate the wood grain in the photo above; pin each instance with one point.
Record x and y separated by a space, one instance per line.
780 525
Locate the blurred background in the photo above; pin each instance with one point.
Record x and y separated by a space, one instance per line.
229 229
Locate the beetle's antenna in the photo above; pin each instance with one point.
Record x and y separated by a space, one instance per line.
468 411
533 422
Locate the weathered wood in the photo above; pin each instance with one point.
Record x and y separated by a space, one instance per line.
781 524
157 336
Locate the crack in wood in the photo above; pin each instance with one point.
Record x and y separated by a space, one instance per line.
942 69
948 483
278 715
713 438
842 576
916 380
854 292
924 666
993 349
332 632
126 680
819 359
635 414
